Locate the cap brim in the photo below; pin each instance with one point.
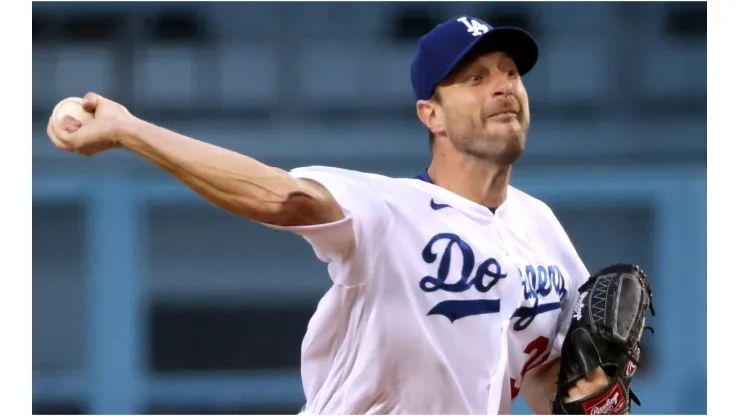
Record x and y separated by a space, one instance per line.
515 42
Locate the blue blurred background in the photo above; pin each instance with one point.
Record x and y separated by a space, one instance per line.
148 300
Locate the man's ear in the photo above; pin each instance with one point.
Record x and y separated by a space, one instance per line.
430 114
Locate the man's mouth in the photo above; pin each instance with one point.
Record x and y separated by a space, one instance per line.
504 115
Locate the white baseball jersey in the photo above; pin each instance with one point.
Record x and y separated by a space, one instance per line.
439 305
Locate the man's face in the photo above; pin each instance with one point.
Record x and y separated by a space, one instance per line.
483 109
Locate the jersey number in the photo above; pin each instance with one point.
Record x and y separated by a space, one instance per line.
540 353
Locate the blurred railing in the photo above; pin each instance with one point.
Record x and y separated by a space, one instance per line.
615 59
614 82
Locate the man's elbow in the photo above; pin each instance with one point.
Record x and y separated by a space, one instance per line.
302 208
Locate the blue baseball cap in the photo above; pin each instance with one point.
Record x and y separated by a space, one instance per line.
447 45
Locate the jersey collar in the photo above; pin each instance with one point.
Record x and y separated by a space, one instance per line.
424 176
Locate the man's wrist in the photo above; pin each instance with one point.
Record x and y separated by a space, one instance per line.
128 131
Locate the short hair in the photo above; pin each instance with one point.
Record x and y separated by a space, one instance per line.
435 97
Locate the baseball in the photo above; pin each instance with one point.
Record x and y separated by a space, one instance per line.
71 106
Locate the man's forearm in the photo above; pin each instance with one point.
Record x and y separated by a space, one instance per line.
539 387
232 181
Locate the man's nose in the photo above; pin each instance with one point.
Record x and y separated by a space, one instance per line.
503 85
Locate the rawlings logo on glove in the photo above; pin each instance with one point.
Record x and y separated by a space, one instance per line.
605 332
613 403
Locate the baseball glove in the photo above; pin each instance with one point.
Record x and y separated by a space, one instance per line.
605 331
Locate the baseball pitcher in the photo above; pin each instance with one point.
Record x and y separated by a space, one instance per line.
453 292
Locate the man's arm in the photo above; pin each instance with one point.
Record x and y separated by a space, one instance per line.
335 210
539 386
232 181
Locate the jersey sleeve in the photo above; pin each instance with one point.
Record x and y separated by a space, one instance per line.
346 245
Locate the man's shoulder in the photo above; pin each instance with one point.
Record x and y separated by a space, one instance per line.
335 171
351 175
326 170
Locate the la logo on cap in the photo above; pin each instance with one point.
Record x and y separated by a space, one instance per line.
475 27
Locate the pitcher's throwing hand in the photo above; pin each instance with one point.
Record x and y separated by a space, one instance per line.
100 132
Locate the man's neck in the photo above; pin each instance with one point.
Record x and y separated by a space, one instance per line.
480 181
